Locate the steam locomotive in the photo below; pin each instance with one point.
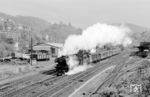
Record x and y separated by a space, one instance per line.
84 57
61 66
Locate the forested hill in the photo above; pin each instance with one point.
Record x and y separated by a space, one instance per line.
57 31
19 29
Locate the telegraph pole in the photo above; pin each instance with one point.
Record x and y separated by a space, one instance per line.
31 50
31 46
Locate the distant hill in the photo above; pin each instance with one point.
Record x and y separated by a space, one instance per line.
136 28
138 33
34 22
57 32
60 31
133 27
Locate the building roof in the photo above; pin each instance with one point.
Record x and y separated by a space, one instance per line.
47 46
58 45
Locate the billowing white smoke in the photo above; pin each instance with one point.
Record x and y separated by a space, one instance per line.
74 66
96 35
73 62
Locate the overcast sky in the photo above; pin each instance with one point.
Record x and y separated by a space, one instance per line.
82 13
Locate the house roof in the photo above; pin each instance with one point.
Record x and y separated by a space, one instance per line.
47 46
58 45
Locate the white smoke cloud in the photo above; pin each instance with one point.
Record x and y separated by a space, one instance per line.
96 35
72 61
74 66
78 69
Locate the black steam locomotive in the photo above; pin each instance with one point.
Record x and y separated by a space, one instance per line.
83 57
61 66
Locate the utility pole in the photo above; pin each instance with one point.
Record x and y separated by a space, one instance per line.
31 50
30 45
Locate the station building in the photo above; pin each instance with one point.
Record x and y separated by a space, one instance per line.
53 48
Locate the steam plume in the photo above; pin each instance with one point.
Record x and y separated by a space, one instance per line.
96 35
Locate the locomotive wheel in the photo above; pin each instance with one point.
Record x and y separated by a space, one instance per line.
66 70
59 73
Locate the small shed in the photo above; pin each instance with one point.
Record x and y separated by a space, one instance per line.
53 48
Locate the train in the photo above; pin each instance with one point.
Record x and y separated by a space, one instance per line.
144 46
84 57
143 49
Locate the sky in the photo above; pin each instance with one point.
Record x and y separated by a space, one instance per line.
82 13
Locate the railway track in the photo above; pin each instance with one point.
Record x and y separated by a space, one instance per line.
23 91
22 81
49 86
109 81
35 91
11 87
57 90
7 86
64 92
73 83
51 91
31 89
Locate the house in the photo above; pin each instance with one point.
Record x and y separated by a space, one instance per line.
53 48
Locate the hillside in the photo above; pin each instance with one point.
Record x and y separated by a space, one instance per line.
21 28
136 28
60 31
139 33
57 32
34 22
